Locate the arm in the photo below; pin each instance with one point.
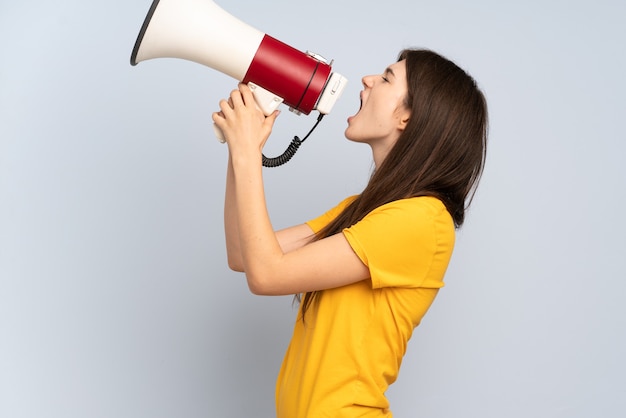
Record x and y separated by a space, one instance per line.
289 238
271 267
231 229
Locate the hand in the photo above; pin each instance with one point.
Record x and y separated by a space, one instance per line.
243 124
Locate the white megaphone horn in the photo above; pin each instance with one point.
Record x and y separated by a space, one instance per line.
202 32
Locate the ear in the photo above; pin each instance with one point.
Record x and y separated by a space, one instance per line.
403 119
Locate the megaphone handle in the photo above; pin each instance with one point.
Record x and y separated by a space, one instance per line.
219 134
266 101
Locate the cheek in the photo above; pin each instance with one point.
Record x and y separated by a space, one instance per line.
386 114
391 106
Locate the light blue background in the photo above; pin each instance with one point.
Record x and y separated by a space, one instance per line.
115 297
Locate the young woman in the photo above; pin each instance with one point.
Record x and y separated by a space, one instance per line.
368 269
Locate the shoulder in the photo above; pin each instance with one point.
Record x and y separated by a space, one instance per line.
415 211
406 222
421 204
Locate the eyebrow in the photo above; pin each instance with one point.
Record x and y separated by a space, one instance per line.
390 71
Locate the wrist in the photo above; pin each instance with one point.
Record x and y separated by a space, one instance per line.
251 158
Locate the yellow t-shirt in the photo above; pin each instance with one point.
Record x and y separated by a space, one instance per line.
341 361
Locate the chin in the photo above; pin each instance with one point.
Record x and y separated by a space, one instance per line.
353 138
349 136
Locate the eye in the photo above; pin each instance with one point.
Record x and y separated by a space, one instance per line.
385 79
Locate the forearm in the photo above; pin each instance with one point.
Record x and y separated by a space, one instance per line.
231 227
259 246
249 233
289 239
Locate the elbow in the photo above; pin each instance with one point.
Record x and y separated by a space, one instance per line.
260 286
256 287
256 290
233 258
257 282
235 265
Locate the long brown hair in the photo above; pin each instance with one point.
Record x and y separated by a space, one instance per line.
440 153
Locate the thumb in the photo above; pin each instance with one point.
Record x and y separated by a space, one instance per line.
269 121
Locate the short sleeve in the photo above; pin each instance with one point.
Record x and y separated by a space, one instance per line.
405 243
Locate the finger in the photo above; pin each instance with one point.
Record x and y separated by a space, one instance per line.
246 93
235 98
217 116
225 106
271 118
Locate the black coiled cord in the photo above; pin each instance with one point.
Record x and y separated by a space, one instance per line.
291 149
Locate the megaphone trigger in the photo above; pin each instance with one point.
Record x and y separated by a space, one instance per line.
267 101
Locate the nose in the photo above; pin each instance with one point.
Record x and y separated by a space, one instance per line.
367 81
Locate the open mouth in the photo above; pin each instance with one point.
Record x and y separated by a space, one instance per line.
360 106
360 102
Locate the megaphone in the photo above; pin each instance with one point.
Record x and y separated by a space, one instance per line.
202 32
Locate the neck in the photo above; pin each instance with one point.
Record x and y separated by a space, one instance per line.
379 153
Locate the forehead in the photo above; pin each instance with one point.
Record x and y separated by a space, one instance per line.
398 68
